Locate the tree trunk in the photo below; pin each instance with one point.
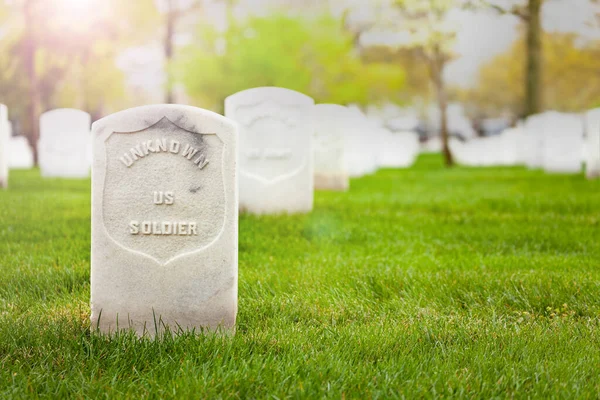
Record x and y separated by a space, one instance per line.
30 50
533 76
168 47
437 72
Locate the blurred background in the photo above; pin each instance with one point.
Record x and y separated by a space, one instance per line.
458 68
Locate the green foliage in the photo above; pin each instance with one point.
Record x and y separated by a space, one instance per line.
485 289
76 51
313 56
570 78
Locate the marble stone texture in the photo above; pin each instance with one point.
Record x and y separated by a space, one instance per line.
63 148
563 143
164 221
275 158
21 155
331 125
592 144
4 143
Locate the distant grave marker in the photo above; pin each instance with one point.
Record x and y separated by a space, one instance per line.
592 145
276 165
361 145
563 144
164 220
21 156
331 126
4 143
63 148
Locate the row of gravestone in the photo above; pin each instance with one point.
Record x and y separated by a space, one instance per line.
555 142
168 182
165 200
64 148
288 145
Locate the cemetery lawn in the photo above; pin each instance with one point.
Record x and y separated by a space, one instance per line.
424 282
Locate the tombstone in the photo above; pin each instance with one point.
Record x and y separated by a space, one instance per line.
63 148
377 137
401 147
536 128
21 155
432 145
563 143
164 221
331 126
361 143
592 144
4 142
275 158
510 140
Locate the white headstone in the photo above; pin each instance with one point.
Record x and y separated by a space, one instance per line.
399 150
275 158
4 143
432 145
484 152
536 130
362 142
164 220
510 140
563 143
63 148
331 126
21 155
592 151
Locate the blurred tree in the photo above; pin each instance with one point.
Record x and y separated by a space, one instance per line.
173 11
530 13
426 32
315 56
56 48
570 80
417 85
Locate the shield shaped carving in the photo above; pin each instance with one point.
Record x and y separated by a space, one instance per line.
164 193
273 141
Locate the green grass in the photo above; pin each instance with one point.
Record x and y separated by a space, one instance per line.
424 282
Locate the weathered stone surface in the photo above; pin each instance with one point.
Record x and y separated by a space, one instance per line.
63 148
164 220
592 146
4 143
332 123
275 158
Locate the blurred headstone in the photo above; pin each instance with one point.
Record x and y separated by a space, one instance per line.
4 143
401 147
331 126
498 150
63 148
21 155
361 144
592 146
275 158
432 145
164 221
563 143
